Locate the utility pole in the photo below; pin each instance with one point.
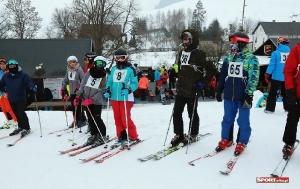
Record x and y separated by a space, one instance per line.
242 27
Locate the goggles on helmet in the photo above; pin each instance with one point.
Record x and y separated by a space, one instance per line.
234 39
121 57
185 36
100 63
2 61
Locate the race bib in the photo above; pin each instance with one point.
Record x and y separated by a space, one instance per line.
283 57
119 75
71 75
93 82
185 57
235 69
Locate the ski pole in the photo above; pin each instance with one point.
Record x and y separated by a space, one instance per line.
65 108
126 121
37 109
73 126
169 123
97 126
80 117
191 122
107 108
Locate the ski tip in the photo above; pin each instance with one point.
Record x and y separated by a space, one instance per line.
224 173
274 175
192 164
9 145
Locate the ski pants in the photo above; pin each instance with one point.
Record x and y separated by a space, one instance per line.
230 110
19 110
177 115
272 98
290 131
6 109
94 113
79 110
120 119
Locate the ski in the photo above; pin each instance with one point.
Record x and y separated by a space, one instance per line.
94 156
16 141
170 150
64 133
72 149
211 154
3 137
226 170
283 163
123 148
58 131
90 147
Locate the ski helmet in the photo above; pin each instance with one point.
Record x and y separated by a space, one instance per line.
121 55
89 56
72 58
240 39
283 40
186 34
100 61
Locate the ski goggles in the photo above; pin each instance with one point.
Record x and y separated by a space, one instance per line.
100 63
121 57
2 61
86 59
234 39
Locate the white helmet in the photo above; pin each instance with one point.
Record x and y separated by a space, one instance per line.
102 59
72 58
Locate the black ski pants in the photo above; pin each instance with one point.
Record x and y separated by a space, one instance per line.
79 111
177 114
96 114
19 110
290 131
143 93
272 98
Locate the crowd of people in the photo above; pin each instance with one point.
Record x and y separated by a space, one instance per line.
189 76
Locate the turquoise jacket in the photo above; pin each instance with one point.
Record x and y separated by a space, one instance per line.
119 78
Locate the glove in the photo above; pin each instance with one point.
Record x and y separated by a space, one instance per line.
107 93
63 91
33 88
76 100
267 78
219 96
198 86
248 101
291 97
87 102
124 92
66 98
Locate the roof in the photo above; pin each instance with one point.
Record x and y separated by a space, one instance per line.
273 42
280 28
53 53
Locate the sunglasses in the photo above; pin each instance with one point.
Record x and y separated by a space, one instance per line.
121 58
100 63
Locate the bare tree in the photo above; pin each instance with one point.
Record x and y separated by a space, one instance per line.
250 24
4 25
25 21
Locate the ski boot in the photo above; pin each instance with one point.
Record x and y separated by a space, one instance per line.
223 144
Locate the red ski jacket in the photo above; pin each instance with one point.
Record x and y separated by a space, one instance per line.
291 70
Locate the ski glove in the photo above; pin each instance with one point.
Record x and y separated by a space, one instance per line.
87 102
66 98
33 88
63 91
219 96
124 92
198 86
267 78
291 97
107 93
76 100
248 101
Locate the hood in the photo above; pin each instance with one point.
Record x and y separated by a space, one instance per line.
196 38
283 48
76 67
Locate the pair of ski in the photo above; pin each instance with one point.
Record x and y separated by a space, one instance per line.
283 163
101 160
17 140
169 150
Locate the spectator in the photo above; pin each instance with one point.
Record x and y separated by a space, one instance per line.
143 87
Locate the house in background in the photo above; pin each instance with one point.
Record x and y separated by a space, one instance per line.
45 60
266 30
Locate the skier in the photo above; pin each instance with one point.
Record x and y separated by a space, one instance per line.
73 77
277 62
291 77
193 73
5 106
88 60
239 78
157 80
121 84
91 90
15 84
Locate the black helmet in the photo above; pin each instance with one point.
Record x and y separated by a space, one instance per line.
240 39
120 52
89 56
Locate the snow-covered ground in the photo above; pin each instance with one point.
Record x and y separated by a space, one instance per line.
35 162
